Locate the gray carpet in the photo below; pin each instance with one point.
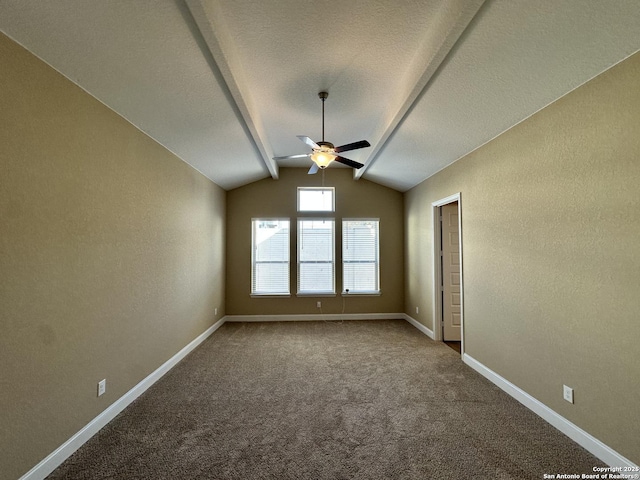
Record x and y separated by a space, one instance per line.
325 400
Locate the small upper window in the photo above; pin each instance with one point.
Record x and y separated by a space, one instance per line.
316 199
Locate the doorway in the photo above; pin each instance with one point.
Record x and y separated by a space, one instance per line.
448 287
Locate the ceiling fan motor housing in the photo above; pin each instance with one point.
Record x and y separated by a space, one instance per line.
326 146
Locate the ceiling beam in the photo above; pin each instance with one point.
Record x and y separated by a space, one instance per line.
220 45
453 19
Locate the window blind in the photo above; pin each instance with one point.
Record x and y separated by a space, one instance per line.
270 257
316 271
360 256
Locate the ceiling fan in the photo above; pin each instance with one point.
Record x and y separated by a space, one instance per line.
324 152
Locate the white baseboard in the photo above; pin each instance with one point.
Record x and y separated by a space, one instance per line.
311 317
419 326
582 438
55 459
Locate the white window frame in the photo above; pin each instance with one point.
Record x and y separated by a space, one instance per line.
256 293
316 293
318 189
352 289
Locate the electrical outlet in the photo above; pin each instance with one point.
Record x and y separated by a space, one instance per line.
417 309
567 393
102 387
215 311
319 304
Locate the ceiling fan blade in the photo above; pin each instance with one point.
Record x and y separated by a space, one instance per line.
314 169
350 163
352 146
308 141
304 155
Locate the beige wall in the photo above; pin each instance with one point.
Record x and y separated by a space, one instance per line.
111 257
277 198
551 251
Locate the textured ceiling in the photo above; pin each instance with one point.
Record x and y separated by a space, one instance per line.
228 84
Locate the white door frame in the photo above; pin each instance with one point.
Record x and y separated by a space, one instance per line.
437 281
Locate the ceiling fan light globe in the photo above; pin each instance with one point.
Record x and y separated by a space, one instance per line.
322 159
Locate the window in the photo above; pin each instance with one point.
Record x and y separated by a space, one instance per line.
270 257
360 256
316 271
316 199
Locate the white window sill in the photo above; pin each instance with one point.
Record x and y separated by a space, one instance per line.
361 294
315 294
270 295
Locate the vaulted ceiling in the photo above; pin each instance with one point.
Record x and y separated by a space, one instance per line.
228 84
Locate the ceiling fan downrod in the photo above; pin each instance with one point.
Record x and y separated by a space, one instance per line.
323 96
